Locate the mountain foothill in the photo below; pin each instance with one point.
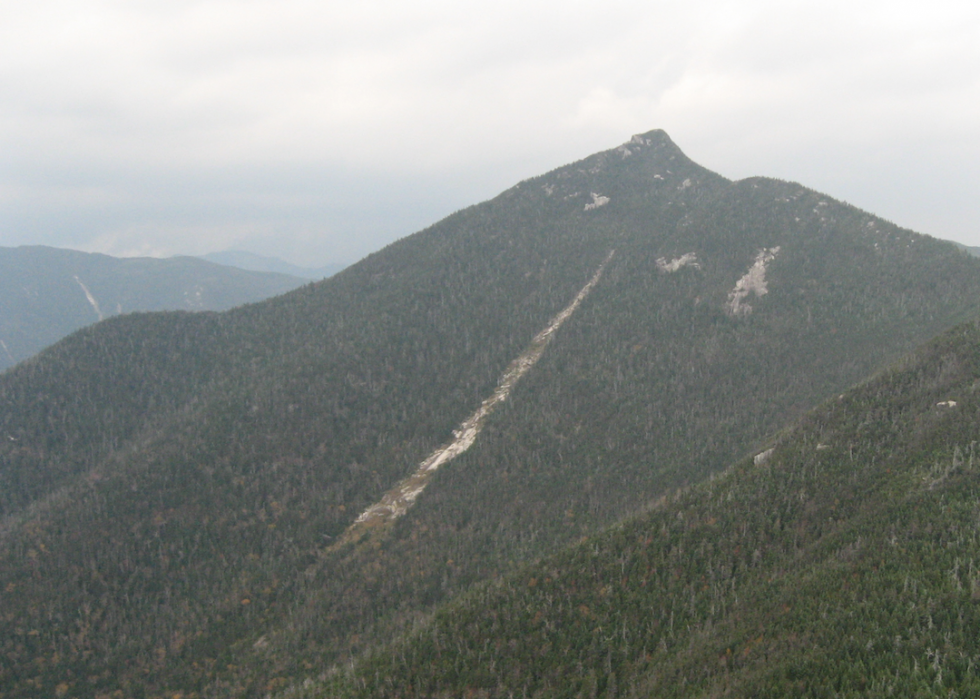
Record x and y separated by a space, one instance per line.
696 489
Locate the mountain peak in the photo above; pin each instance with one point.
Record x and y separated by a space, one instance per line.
653 137
648 164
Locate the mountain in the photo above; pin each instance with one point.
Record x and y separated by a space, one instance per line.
47 293
225 504
969 249
261 263
841 560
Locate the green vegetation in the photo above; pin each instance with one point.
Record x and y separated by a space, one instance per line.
847 563
173 485
44 292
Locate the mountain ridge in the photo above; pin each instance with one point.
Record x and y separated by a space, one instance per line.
47 293
836 560
258 435
262 263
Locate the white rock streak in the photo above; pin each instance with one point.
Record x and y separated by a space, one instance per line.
597 201
91 299
4 345
396 501
688 258
193 298
754 282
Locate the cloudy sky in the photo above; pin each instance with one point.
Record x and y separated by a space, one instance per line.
319 131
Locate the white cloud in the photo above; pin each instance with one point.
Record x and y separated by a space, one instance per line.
109 106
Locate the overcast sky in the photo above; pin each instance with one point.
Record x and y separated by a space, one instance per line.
319 131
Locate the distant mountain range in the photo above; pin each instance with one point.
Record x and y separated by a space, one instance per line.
261 263
972 250
47 293
496 458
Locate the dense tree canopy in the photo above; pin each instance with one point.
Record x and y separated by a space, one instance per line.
174 485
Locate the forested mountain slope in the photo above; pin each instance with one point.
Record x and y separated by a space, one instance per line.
176 488
842 560
47 293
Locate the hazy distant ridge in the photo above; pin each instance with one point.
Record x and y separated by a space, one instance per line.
262 263
47 293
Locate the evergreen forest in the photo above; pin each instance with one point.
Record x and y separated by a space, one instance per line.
694 489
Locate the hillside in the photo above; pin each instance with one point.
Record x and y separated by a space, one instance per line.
842 560
190 485
48 293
